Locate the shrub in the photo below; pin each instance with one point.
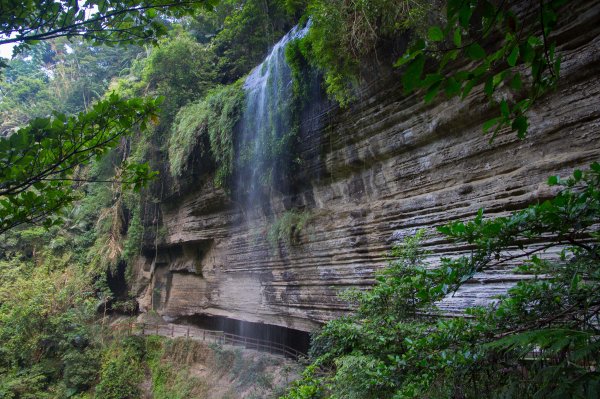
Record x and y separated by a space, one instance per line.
122 371
287 228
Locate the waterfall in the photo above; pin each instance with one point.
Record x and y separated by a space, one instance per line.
266 127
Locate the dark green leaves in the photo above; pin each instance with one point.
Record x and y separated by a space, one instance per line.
534 339
26 22
475 51
412 75
495 65
435 34
512 58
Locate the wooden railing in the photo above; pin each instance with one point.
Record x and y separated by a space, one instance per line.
199 334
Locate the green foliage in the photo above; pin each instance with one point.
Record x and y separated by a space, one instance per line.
248 33
169 361
81 367
212 118
287 228
538 340
180 70
26 22
343 33
122 371
47 345
39 160
518 53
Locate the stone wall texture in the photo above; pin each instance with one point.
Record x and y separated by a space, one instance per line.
371 175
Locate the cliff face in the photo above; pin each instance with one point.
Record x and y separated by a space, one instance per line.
371 175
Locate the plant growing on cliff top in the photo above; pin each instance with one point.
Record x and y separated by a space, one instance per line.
344 32
213 118
510 49
541 339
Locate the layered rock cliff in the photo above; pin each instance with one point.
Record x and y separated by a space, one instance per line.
370 175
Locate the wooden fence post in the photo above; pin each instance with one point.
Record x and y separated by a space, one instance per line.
188 333
172 330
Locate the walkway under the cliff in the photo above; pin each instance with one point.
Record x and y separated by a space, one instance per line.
198 334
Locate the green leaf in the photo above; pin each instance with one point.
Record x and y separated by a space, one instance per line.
412 75
553 180
513 56
515 82
435 34
488 89
432 92
457 37
475 51
468 87
504 109
520 124
452 87
487 125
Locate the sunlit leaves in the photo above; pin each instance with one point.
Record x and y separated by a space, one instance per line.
435 34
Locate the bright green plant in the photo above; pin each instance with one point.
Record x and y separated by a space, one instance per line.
343 33
180 70
122 370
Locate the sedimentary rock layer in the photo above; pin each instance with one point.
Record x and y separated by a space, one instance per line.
371 175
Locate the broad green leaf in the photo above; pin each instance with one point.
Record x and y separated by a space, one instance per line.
513 56
475 51
487 125
435 34
520 124
515 82
457 37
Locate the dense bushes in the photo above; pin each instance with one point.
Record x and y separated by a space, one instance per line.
539 340
180 69
122 369
47 344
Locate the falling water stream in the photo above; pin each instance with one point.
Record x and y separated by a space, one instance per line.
266 124
264 133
